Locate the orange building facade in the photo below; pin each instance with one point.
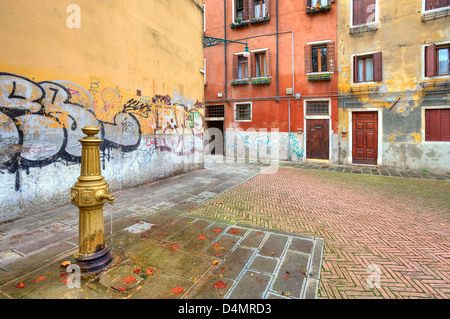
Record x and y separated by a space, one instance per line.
280 99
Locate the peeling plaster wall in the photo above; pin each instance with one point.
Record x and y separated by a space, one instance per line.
404 91
131 69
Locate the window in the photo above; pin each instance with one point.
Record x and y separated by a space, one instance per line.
436 4
437 125
437 60
317 108
259 8
260 64
319 59
243 112
215 111
240 9
367 68
363 12
242 67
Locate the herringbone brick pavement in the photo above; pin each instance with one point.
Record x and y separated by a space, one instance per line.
385 237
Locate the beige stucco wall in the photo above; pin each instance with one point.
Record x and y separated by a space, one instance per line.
130 67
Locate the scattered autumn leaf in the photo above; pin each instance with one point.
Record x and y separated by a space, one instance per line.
21 285
149 271
201 237
288 275
216 245
160 234
65 263
220 284
41 278
121 289
145 236
174 246
215 262
258 279
136 271
129 279
66 281
62 275
234 231
217 230
176 290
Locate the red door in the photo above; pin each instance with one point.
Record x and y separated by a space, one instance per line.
317 139
365 137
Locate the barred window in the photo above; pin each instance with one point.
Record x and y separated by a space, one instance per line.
317 108
243 112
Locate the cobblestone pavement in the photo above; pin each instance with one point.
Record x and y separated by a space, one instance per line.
159 251
384 237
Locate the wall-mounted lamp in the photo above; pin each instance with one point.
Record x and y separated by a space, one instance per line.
246 53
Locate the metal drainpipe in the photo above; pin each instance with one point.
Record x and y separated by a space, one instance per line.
225 48
278 80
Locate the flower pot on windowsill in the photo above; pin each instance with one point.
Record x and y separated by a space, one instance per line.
260 81
259 20
239 81
318 8
240 24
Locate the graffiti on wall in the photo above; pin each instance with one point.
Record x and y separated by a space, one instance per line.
40 122
296 145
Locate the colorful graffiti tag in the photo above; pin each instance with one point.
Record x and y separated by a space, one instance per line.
40 122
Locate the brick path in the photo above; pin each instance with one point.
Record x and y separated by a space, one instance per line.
384 237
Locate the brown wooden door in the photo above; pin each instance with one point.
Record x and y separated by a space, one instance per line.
317 139
365 137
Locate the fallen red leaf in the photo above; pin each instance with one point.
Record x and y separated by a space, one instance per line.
64 274
216 244
160 234
288 275
136 271
174 246
149 271
121 289
258 279
201 237
65 281
21 285
220 284
217 230
176 290
129 279
234 231
41 278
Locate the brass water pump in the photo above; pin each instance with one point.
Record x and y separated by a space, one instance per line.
89 194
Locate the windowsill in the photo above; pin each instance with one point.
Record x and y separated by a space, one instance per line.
242 120
435 14
366 27
436 142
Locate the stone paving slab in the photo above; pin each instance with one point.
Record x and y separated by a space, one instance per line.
160 249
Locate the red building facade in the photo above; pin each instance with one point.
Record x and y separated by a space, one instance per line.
282 97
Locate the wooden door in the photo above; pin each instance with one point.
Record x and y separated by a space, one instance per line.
317 139
365 137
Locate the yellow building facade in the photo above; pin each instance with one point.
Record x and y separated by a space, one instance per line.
394 83
132 68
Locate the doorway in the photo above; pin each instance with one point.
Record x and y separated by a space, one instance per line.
365 137
317 139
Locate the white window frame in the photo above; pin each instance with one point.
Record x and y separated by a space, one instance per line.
317 117
265 63
432 10
368 24
234 111
422 128
422 58
352 66
318 43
